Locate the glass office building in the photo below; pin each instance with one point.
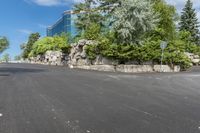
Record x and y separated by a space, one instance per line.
64 24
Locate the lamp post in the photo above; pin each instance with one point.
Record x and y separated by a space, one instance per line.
163 45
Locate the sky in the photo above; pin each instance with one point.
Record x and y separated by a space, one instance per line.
19 18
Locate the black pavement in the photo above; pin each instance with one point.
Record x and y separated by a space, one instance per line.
44 99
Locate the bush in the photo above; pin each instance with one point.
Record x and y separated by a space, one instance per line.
91 51
49 43
175 54
150 50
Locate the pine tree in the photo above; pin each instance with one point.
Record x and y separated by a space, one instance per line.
87 15
189 22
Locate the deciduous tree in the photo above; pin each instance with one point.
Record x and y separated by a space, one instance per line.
132 19
4 44
28 47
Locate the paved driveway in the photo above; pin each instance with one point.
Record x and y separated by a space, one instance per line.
43 99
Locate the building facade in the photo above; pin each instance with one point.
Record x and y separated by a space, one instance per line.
64 25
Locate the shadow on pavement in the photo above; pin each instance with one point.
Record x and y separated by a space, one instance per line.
194 69
4 75
5 70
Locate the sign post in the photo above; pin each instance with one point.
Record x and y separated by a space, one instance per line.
163 45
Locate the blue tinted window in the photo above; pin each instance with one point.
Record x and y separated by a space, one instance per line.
65 24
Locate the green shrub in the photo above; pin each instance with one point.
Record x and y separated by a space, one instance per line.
91 51
149 51
175 54
49 43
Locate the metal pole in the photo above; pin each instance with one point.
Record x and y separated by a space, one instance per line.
161 66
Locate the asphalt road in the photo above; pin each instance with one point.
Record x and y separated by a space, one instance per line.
44 99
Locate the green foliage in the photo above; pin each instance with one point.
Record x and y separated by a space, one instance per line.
60 43
92 32
28 47
128 30
132 19
140 53
193 48
91 51
149 51
166 28
55 43
107 5
189 22
87 15
42 45
190 47
175 54
4 44
136 21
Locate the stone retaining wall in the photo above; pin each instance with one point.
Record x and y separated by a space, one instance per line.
129 68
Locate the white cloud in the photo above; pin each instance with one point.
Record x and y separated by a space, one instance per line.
25 31
42 26
52 2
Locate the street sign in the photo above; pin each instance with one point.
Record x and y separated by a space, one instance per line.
163 45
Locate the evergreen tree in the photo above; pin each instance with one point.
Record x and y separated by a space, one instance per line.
87 14
189 22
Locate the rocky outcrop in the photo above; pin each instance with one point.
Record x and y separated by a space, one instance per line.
55 58
78 55
194 58
51 58
38 59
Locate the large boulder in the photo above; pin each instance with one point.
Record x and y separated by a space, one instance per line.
194 58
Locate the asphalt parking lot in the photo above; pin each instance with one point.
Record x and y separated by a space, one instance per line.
44 99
